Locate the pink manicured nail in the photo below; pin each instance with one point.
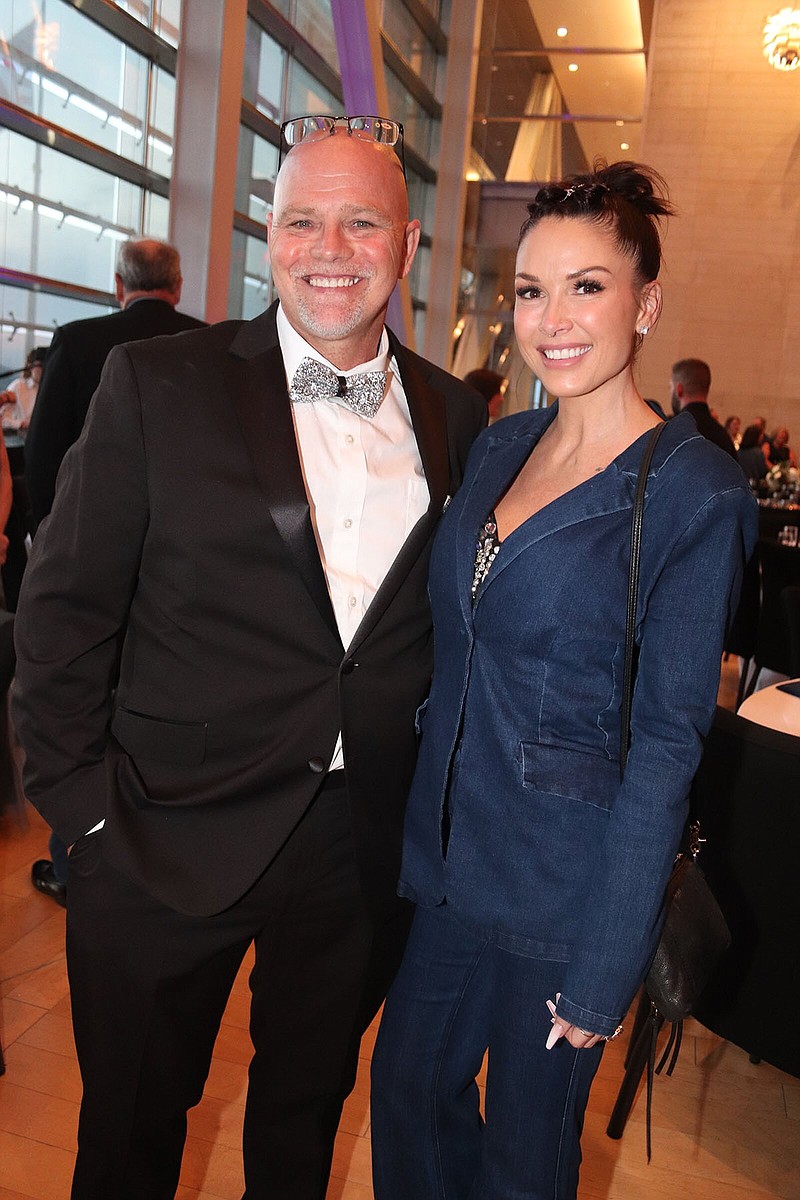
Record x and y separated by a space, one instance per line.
551 1007
552 1037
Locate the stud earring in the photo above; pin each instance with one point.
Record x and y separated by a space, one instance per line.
645 329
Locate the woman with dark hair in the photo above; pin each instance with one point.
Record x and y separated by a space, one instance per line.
778 449
733 428
750 456
538 873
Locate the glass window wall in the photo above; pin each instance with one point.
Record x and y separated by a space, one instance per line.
421 129
421 200
411 43
162 16
255 177
250 282
264 67
68 70
61 218
30 319
313 20
307 95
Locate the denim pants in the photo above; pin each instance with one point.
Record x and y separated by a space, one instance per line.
460 991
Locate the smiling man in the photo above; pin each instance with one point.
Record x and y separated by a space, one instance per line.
222 643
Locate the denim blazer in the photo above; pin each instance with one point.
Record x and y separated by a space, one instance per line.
520 737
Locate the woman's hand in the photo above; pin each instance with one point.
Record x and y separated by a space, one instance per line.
581 1039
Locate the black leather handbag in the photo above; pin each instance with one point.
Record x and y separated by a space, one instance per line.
694 935
693 939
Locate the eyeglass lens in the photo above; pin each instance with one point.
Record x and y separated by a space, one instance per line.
371 128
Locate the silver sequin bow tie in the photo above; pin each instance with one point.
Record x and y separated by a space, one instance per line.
314 381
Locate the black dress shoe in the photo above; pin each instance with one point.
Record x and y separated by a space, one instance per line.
43 878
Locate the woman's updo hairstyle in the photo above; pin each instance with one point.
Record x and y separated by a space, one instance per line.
626 196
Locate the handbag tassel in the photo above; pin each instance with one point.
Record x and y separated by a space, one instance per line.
673 1048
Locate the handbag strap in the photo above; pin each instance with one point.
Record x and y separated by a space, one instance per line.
637 521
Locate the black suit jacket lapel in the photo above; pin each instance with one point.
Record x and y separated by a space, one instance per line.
261 400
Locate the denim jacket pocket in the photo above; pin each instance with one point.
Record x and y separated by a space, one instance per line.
177 743
573 774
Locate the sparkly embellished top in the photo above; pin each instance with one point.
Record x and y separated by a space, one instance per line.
488 547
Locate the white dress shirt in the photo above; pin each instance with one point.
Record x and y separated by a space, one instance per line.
364 480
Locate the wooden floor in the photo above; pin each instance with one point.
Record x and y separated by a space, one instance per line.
723 1129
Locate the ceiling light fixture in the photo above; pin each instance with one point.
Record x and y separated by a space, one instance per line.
562 31
572 67
624 145
782 39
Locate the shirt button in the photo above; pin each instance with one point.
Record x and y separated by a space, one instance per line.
317 765
347 522
352 601
349 439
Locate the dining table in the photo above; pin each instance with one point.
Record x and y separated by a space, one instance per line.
773 516
776 707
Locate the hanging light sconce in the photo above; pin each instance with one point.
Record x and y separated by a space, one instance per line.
782 39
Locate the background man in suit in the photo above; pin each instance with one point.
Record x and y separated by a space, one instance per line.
223 639
147 282
689 387
148 286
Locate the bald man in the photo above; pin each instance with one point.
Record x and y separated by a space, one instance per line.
223 640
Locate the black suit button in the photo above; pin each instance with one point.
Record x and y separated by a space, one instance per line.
317 765
348 667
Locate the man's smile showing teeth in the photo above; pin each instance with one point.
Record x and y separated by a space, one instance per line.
567 352
332 281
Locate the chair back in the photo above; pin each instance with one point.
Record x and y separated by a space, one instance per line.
747 797
780 568
790 604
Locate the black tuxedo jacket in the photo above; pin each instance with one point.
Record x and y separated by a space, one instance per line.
179 569
71 375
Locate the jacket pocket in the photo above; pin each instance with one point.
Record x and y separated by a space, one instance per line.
573 774
178 743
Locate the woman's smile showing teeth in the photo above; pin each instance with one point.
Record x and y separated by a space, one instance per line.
558 353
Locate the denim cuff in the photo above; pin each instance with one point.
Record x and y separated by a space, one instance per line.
584 1018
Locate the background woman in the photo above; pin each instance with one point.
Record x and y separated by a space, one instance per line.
733 428
20 396
778 449
538 876
750 456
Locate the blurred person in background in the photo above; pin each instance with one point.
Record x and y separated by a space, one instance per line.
148 284
778 449
690 384
733 428
750 454
19 398
492 386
